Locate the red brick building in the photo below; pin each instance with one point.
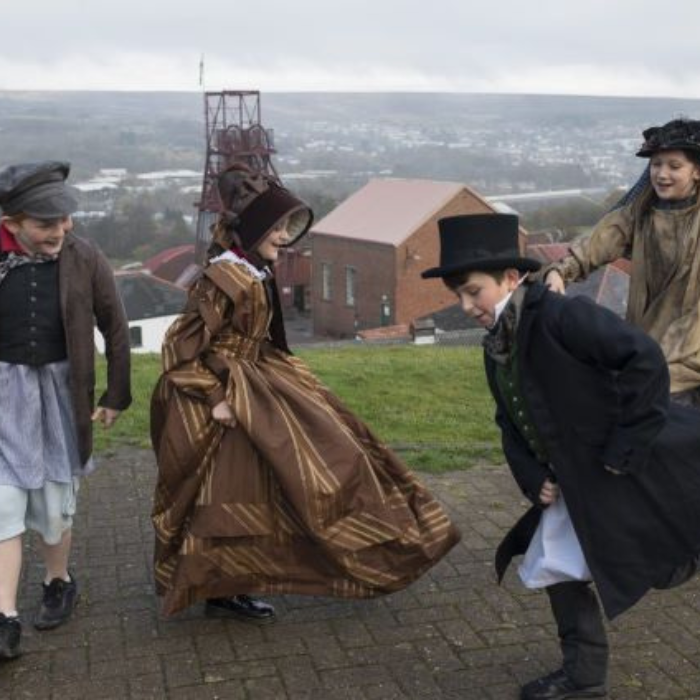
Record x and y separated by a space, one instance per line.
293 274
368 254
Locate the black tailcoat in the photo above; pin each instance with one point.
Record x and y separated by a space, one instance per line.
597 391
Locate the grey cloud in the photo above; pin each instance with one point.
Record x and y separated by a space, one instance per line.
445 39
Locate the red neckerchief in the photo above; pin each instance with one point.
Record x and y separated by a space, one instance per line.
253 258
8 243
240 253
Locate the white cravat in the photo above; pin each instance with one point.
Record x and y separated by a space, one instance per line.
498 309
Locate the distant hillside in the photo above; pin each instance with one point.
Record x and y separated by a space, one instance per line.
498 143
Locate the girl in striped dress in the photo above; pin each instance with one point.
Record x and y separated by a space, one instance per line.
267 484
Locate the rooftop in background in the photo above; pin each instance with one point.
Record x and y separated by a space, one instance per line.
145 296
172 264
524 202
549 252
170 175
388 210
451 318
609 285
548 194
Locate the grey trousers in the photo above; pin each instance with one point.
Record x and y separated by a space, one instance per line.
582 636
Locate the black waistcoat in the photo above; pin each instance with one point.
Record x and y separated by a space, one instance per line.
31 327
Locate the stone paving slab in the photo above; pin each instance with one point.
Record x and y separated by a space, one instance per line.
452 635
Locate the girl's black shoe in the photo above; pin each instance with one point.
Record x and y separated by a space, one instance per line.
243 608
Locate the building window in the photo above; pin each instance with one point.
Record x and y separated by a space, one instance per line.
135 337
326 285
350 282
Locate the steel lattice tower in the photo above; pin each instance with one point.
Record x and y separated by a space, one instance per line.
234 133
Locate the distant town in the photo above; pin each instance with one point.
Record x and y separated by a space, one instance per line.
138 163
329 145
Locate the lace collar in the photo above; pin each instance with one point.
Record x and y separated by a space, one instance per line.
230 256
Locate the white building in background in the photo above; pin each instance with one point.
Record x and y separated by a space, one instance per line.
106 179
151 305
183 180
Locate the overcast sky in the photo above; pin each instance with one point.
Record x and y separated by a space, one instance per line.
591 47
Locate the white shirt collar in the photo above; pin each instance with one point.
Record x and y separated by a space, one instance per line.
501 305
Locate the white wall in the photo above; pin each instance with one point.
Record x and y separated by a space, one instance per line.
152 334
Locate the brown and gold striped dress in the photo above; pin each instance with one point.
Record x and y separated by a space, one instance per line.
298 497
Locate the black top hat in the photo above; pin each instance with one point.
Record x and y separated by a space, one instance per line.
479 242
681 134
36 189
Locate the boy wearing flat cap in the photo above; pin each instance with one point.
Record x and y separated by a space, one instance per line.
53 287
582 401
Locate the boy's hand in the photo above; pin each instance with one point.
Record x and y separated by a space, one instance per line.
614 471
223 414
106 416
555 282
549 493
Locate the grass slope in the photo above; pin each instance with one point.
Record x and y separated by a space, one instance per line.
431 404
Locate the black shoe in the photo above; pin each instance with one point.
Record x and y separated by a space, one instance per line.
10 633
559 686
242 607
57 604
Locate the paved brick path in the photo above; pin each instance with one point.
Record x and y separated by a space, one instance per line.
452 635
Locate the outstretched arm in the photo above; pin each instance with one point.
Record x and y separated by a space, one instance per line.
610 240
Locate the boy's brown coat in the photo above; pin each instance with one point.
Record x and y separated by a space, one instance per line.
89 296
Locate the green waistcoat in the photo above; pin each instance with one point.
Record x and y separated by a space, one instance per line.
508 382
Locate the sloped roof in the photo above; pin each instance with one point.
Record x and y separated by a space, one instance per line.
145 296
608 285
389 210
612 288
167 255
451 318
549 252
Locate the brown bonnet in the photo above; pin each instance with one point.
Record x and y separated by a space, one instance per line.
253 204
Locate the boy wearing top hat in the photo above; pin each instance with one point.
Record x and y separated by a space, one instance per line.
582 401
54 286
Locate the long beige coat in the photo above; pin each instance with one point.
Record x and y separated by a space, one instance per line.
664 295
89 296
298 497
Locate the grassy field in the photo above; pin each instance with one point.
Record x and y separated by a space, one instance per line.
431 404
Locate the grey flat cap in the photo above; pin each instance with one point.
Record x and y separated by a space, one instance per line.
36 189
